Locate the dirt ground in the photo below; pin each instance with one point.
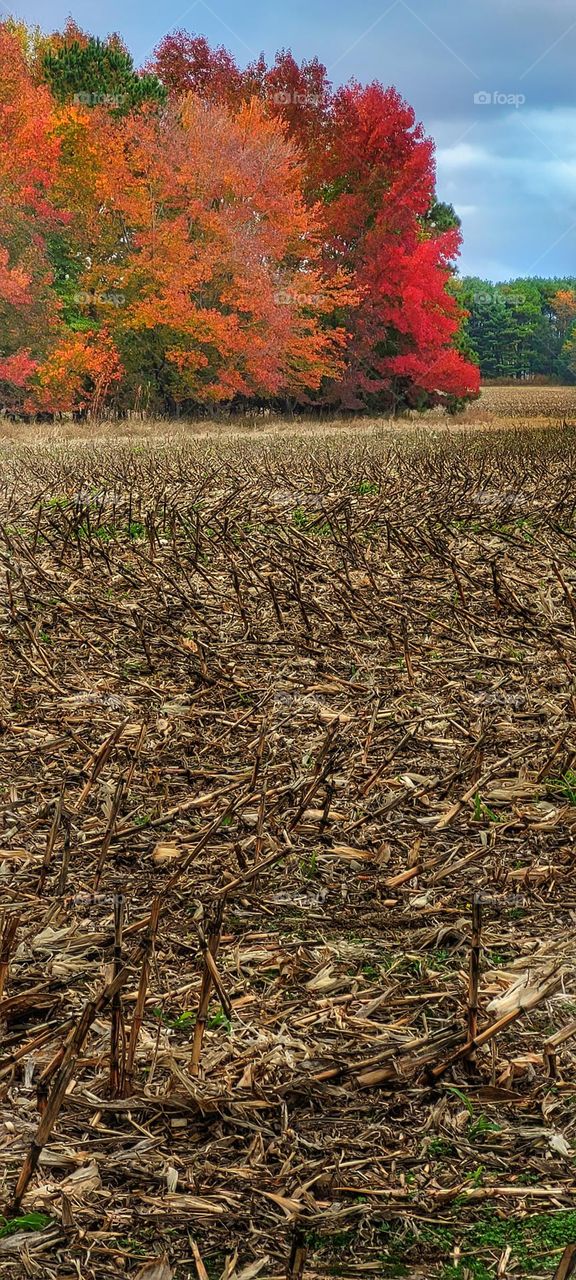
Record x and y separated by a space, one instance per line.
287 895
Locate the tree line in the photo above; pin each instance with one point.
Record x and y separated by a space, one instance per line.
192 234
522 330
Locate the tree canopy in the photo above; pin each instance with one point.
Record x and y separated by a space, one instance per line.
193 234
522 329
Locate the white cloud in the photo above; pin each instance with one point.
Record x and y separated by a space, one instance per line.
466 210
464 155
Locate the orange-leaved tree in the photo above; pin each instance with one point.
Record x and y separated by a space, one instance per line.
28 165
44 364
203 261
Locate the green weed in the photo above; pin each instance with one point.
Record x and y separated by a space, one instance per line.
309 866
218 1021
566 785
482 812
28 1222
483 1125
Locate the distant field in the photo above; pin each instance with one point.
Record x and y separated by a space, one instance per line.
523 402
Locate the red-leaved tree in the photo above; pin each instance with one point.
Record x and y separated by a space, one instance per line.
370 167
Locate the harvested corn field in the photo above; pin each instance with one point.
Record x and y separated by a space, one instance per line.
288 802
514 404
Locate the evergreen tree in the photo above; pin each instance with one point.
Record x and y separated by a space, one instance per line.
94 72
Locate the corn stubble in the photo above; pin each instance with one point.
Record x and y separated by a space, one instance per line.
287 792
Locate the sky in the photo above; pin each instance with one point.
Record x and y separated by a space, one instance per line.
491 80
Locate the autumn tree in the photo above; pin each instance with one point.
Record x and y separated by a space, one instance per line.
43 367
202 259
186 63
199 234
378 189
28 165
370 168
